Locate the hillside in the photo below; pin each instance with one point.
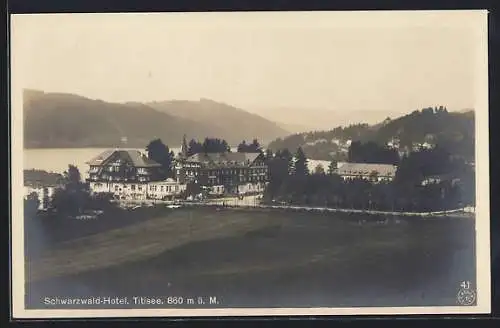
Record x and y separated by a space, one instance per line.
53 120
225 119
453 130
309 119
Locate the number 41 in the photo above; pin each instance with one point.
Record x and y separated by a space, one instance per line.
465 284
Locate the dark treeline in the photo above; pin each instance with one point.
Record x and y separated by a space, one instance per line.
351 132
74 197
209 145
435 125
405 193
253 147
370 152
161 153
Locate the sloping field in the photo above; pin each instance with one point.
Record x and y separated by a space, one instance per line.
265 259
135 242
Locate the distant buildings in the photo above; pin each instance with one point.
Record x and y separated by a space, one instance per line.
41 186
418 146
435 179
371 172
166 189
43 194
394 143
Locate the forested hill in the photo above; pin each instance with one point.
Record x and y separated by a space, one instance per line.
227 120
53 120
453 130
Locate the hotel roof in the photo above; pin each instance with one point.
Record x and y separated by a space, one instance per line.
224 159
133 156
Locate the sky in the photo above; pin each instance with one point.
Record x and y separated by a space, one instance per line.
335 61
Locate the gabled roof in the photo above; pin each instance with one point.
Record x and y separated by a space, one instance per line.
367 169
135 157
224 159
101 158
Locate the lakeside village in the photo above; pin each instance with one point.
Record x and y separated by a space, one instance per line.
427 180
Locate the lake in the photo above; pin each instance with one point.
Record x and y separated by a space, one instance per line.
58 159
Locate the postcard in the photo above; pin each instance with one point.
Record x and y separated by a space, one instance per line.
249 164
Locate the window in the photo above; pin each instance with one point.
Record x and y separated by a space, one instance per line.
110 169
162 188
116 188
139 188
132 187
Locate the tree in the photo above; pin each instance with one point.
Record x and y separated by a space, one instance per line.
254 147
332 168
46 198
193 189
31 204
184 147
209 145
269 155
371 152
242 147
319 170
373 176
300 164
160 153
72 176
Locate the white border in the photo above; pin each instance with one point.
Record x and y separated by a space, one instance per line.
477 19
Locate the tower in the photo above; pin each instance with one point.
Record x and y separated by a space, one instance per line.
179 171
184 148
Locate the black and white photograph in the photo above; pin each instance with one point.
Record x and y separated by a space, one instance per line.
249 163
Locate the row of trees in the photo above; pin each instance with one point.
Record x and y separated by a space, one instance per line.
253 147
292 184
74 196
371 152
209 145
216 145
